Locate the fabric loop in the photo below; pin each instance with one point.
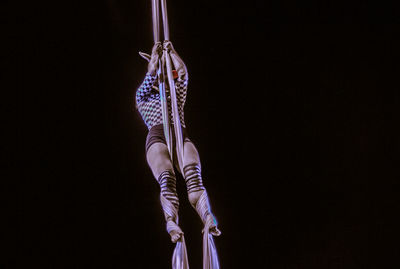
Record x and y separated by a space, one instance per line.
210 256
179 259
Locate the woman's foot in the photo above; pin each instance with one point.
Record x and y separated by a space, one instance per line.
174 231
213 229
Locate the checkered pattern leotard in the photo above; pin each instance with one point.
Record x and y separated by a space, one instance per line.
149 103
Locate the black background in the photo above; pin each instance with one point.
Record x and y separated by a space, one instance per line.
292 106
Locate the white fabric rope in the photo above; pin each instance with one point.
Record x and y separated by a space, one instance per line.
175 113
165 111
179 258
174 104
161 76
192 174
210 256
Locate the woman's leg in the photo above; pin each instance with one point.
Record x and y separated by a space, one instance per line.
197 194
161 166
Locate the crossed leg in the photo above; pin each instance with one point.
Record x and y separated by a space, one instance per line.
162 168
197 193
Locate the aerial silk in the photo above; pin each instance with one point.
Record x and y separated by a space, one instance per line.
210 257
180 257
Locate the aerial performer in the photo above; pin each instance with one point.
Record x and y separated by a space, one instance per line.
160 101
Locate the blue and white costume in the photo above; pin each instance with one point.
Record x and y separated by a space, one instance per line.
149 102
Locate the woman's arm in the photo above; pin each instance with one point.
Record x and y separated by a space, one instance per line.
155 57
177 61
149 81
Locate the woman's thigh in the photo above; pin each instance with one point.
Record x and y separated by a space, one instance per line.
158 159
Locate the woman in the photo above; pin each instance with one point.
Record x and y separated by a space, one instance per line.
149 106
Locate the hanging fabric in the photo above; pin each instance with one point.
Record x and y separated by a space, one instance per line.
179 259
174 134
161 77
210 256
174 103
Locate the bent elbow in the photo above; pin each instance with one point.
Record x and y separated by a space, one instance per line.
182 74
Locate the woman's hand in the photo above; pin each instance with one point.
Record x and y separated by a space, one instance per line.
177 61
168 46
155 56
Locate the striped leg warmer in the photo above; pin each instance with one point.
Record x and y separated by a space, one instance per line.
194 183
170 203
